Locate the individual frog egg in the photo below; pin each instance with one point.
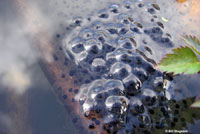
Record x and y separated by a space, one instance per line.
111 28
97 91
140 123
101 36
144 121
94 91
134 28
128 59
76 45
117 104
138 61
97 25
103 14
149 97
114 87
161 124
140 73
128 4
158 84
98 62
82 94
136 106
87 33
93 109
93 46
107 48
116 54
81 58
77 21
111 123
94 86
78 48
99 65
114 8
132 84
126 43
88 104
101 96
120 70
122 29
123 18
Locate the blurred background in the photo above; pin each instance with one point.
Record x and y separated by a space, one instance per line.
28 104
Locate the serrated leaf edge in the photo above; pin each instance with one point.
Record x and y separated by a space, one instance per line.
185 71
166 56
191 45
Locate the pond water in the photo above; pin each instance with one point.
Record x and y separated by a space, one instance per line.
103 76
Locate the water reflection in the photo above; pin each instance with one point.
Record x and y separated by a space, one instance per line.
37 111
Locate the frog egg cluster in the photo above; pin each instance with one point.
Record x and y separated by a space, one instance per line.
114 52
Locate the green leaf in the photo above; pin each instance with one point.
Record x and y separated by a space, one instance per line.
196 104
193 42
183 60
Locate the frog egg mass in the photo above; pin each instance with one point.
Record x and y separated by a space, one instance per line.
114 60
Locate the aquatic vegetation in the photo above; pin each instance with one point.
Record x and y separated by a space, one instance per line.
184 60
193 42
